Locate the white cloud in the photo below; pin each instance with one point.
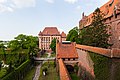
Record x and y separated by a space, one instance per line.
4 8
24 3
11 5
71 1
50 1
3 1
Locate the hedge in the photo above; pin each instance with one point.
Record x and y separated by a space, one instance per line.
101 66
19 73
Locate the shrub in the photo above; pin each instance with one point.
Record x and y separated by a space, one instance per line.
19 72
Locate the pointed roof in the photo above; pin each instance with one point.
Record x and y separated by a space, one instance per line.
50 31
63 35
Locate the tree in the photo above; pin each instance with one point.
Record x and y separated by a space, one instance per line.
10 66
2 49
24 44
96 34
53 45
32 44
73 35
14 45
0 65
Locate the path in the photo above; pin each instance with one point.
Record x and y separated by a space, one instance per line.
37 73
44 59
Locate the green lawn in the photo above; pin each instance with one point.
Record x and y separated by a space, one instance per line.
53 55
51 73
44 55
30 74
74 76
2 72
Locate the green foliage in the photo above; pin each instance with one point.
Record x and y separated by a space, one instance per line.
74 76
30 74
19 72
44 69
101 66
76 68
53 45
0 65
51 72
16 58
73 35
10 67
53 54
3 72
2 49
17 51
45 55
14 45
13 61
24 42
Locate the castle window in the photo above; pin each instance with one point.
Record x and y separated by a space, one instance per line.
115 15
68 59
63 59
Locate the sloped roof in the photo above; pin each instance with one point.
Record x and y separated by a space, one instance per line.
63 35
66 50
50 31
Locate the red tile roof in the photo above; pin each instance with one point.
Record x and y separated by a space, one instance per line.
66 50
107 9
50 31
64 75
63 35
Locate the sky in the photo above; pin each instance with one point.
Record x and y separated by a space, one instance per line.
29 17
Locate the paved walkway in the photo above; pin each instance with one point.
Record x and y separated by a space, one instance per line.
37 73
44 59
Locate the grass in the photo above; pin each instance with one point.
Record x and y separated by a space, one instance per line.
44 55
30 74
2 72
51 73
74 76
53 55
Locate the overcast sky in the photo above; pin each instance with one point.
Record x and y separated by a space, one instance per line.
31 16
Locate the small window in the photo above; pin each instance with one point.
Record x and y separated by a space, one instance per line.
115 15
63 59
110 18
68 59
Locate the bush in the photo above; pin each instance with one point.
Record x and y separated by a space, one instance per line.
76 68
19 72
